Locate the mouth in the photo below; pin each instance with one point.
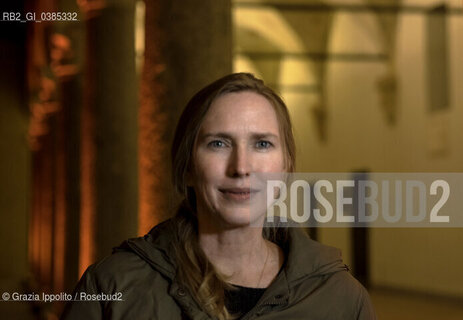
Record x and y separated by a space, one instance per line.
238 194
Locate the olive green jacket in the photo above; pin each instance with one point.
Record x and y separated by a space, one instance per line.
314 284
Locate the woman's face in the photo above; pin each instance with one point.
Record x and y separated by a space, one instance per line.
239 135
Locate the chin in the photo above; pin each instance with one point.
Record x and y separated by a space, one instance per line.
239 218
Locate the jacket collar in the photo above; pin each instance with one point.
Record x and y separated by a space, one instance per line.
308 258
304 258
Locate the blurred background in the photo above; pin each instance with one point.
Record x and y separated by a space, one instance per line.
88 108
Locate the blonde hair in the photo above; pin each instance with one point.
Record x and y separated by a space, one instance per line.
195 271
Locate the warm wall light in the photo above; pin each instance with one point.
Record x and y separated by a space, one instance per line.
59 232
87 214
152 122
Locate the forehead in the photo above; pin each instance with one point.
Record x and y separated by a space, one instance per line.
242 110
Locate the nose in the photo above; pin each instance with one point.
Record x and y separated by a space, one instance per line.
239 162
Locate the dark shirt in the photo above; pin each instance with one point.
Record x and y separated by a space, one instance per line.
240 301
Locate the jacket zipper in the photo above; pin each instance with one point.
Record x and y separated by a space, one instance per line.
254 311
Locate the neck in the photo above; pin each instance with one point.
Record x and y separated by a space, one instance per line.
235 244
240 253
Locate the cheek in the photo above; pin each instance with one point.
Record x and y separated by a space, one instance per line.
280 163
207 170
275 163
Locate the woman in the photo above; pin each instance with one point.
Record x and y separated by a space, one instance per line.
208 262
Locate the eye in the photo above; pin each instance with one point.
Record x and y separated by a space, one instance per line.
216 144
263 144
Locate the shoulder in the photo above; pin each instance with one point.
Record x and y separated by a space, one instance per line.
335 295
118 268
306 257
350 295
137 258
317 275
347 288
122 286
352 291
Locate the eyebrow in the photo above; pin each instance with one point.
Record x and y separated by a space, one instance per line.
254 135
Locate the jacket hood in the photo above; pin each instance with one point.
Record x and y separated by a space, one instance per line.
308 258
155 248
304 257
